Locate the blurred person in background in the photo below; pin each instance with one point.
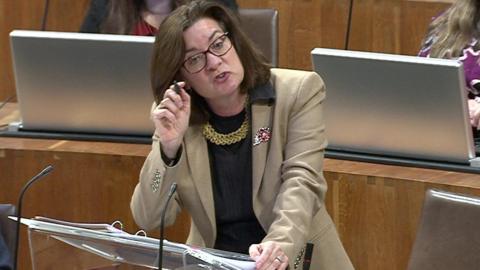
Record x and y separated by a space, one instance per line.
455 34
132 17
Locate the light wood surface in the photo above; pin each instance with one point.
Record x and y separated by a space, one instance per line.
375 207
392 26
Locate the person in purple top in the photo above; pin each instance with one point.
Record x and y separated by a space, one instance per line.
455 34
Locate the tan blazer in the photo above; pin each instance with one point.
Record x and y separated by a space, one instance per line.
288 184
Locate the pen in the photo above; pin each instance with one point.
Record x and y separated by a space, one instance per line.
176 88
307 259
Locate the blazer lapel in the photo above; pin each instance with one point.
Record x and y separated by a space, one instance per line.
197 153
261 121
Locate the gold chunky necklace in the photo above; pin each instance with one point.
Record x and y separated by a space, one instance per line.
226 139
230 138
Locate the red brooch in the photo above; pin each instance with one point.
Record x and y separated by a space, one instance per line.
263 135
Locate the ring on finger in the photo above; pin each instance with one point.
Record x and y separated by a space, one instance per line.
279 259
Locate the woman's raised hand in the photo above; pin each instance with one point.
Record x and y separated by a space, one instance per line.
171 117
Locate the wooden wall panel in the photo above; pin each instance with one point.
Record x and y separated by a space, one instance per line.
66 16
391 26
305 25
14 15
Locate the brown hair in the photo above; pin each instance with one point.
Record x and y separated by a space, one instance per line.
169 51
454 29
123 15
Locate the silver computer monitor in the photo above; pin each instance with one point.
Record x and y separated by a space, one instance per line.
395 105
88 83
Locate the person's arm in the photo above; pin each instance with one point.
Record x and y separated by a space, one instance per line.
150 194
95 16
471 65
171 118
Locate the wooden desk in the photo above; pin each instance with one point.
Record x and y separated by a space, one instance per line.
376 207
91 181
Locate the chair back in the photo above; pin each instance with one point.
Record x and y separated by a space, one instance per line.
8 227
261 25
448 236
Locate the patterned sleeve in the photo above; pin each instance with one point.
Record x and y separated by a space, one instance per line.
471 67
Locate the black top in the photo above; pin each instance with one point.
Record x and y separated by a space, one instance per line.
231 166
97 12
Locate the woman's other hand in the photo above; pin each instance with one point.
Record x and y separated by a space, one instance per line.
474 112
269 256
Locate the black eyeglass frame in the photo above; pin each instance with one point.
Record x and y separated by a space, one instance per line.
208 50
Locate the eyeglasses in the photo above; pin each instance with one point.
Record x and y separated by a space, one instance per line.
219 47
